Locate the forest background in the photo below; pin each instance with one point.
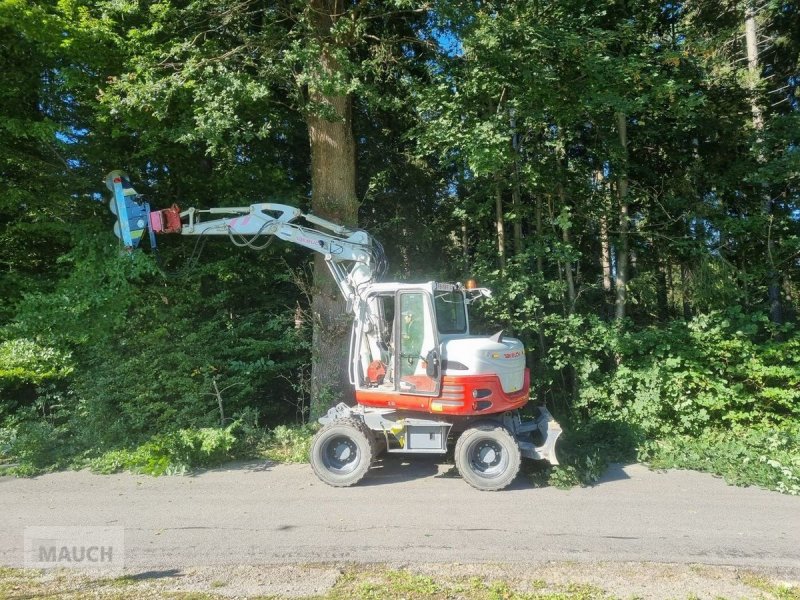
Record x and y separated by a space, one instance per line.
624 175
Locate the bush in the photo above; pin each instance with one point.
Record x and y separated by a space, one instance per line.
35 446
769 459
31 373
675 391
718 370
173 452
186 449
115 355
585 450
24 360
289 444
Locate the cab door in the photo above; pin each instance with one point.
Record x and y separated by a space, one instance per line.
417 360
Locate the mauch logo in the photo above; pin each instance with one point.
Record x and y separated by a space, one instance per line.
74 547
75 554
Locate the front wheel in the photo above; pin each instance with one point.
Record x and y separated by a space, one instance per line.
341 452
488 457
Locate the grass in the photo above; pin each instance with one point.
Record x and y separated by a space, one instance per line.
778 591
357 583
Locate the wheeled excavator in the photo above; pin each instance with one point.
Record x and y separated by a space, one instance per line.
421 377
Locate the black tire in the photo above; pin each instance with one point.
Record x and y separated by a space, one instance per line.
488 457
342 452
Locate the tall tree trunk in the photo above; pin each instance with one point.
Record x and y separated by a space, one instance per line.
686 306
551 201
605 246
571 297
622 239
605 251
662 301
671 301
754 71
605 255
539 234
516 201
499 224
333 183
465 246
540 273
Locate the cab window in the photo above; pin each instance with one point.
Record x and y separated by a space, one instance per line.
451 314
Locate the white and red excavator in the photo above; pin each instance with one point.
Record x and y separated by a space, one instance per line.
420 376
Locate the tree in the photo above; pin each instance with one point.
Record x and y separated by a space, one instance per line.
333 183
231 75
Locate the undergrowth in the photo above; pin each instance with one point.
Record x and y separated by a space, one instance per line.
288 444
768 459
176 452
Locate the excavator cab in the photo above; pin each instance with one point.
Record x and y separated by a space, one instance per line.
398 345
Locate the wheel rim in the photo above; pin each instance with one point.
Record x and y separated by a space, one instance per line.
340 454
487 458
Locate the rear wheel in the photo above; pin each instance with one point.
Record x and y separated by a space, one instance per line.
341 452
488 457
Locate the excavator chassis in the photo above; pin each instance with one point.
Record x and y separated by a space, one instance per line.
487 450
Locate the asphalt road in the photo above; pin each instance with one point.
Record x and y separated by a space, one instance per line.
409 512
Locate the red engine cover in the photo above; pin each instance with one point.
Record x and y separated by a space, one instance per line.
463 395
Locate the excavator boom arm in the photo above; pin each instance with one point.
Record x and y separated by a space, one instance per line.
353 257
278 220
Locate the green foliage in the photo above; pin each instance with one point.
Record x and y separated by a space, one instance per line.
716 370
179 451
718 393
585 452
149 361
289 444
171 453
766 458
32 446
664 391
23 360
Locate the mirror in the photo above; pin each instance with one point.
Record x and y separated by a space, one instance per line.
432 364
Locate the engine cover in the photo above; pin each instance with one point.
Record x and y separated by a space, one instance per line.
484 356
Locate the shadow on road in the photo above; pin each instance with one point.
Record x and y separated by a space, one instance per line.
394 468
147 575
389 469
614 472
247 466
